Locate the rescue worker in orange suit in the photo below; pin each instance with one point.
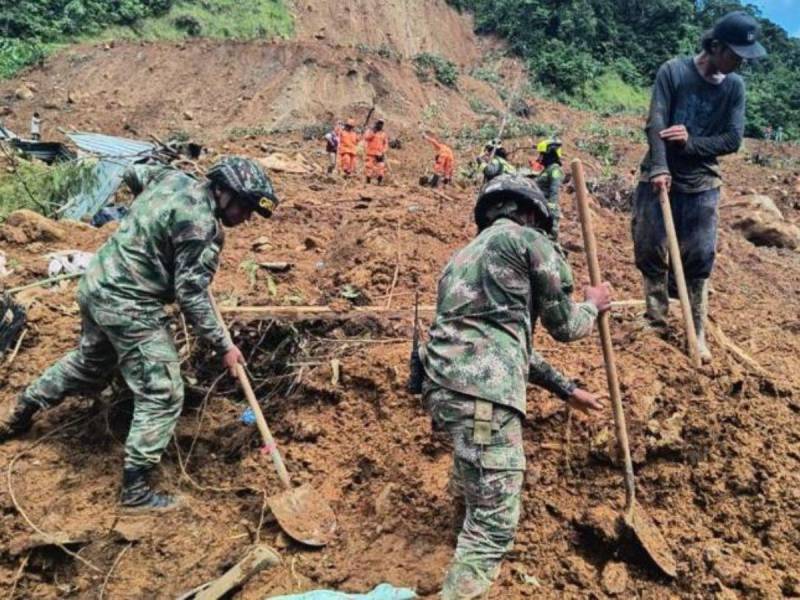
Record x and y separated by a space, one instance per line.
445 161
376 142
348 147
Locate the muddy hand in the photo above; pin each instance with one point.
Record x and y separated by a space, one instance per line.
584 401
232 358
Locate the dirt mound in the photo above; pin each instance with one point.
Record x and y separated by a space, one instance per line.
231 90
404 27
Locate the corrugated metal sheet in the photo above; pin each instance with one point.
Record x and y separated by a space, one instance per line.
115 154
108 176
111 146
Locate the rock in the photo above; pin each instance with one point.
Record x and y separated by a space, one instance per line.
383 501
72 97
5 111
32 226
664 437
761 222
602 522
614 578
50 105
282 163
187 114
262 243
23 93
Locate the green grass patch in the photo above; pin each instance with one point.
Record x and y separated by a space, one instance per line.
221 19
610 94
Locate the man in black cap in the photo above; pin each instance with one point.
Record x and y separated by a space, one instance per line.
696 115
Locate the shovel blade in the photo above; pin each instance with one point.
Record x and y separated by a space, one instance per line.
304 515
649 536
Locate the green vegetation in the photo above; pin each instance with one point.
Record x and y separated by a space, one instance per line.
30 29
442 69
236 19
36 186
603 54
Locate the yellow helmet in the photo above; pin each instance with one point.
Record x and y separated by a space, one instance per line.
548 145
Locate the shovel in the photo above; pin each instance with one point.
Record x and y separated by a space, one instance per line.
634 517
301 512
680 280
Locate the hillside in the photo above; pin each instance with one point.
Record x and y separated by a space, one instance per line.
716 451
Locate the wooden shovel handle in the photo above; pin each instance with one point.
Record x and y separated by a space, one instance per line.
680 279
590 245
269 442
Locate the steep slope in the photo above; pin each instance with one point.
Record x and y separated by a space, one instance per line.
716 451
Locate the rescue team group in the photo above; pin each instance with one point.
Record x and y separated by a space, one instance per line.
478 356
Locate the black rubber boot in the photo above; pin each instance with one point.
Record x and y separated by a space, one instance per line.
380 180
657 301
434 181
18 420
138 495
368 180
698 298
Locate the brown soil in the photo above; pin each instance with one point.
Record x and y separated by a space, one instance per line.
716 451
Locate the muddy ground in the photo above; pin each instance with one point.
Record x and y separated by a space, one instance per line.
717 451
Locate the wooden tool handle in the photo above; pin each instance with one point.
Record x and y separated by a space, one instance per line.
590 245
269 442
680 279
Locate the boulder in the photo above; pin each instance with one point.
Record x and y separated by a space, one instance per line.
282 163
761 222
23 93
25 226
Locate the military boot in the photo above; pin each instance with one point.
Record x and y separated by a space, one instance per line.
138 495
656 301
698 298
18 420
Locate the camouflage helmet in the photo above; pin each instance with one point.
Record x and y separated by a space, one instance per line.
522 191
247 179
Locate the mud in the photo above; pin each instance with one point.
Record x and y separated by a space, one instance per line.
716 450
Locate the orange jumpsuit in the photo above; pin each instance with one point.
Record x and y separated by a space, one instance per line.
445 161
348 146
377 142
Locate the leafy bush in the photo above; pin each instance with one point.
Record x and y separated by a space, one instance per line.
443 70
30 28
37 186
598 52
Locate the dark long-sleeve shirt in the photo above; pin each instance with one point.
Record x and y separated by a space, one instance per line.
712 113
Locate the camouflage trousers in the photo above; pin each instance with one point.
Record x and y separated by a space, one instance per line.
489 479
143 350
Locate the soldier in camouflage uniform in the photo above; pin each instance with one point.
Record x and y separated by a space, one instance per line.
479 356
550 179
166 250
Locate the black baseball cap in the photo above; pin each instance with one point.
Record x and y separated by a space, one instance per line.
739 31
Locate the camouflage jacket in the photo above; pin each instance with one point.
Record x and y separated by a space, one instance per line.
165 250
549 181
490 295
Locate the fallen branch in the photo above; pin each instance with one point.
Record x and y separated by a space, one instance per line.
42 282
18 576
13 354
724 341
294 311
254 561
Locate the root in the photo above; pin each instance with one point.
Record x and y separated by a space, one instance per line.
111 570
